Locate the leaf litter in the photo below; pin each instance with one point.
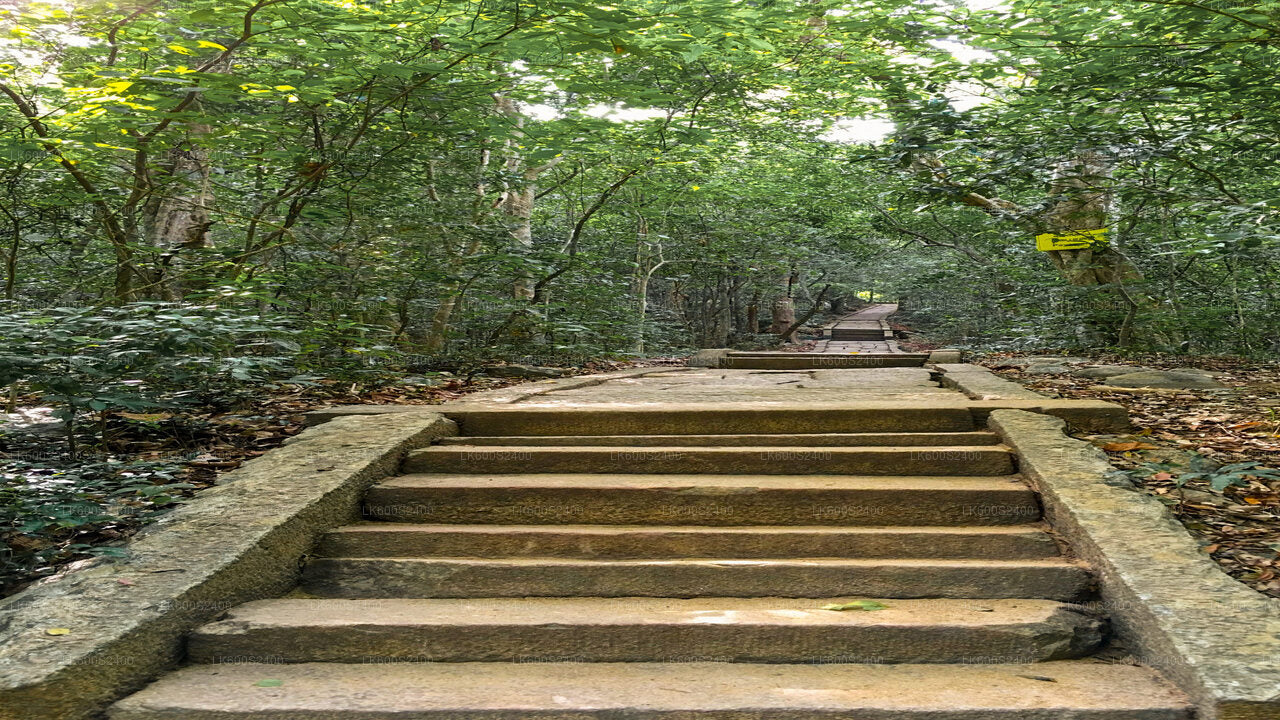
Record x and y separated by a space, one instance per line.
1208 455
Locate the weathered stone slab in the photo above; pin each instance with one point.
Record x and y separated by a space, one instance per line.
1043 360
512 394
946 355
679 418
1218 639
980 383
242 540
373 578
1106 371
828 360
1083 415
593 629
605 542
1047 369
1058 690
1182 379
525 391
762 460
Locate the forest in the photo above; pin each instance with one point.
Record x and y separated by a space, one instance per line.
200 199
582 179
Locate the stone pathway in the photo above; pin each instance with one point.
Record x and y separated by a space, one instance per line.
725 544
864 331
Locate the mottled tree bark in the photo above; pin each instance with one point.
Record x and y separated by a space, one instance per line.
177 215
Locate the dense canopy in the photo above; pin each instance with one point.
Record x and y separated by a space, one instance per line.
576 178
217 214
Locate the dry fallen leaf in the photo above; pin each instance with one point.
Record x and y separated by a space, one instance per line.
1127 446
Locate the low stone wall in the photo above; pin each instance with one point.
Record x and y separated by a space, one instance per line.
1168 601
990 392
980 383
239 541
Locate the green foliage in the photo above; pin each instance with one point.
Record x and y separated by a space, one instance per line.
434 178
136 358
60 503
1219 477
212 195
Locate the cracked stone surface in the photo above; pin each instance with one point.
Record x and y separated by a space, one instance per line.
719 386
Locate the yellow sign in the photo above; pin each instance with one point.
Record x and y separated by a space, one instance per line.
1072 240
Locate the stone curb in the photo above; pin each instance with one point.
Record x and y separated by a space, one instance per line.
989 392
241 540
1218 640
709 358
948 356
507 395
1080 415
980 383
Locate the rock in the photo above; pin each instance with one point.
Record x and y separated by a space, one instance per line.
709 358
1041 360
1106 371
524 372
419 380
1170 379
946 355
1047 369
1204 498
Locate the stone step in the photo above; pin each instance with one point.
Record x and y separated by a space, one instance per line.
767 630
713 419
443 577
752 440
867 335
925 460
823 361
637 499
1062 690
603 542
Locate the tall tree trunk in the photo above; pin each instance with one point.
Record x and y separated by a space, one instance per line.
1081 201
438 335
645 268
517 202
11 258
784 309
177 217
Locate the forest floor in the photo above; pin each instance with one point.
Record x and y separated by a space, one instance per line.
58 507
1201 433
1176 431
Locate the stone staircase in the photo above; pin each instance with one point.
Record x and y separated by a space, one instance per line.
858 333
833 355
622 563
867 325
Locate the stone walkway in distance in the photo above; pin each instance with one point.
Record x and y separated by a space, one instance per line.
735 543
864 331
